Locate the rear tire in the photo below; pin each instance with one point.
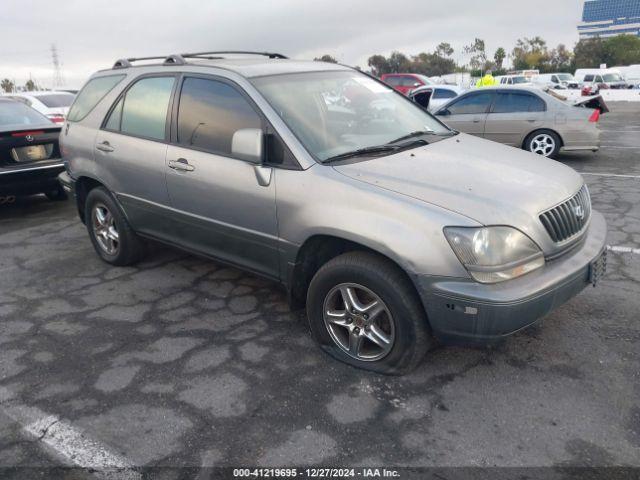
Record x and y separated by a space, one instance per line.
112 237
375 285
543 142
56 194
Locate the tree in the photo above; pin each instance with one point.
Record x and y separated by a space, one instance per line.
30 86
499 57
7 85
589 52
560 60
478 54
530 53
326 58
622 50
379 65
444 50
399 62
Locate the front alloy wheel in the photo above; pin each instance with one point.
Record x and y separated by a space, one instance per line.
364 311
104 229
359 322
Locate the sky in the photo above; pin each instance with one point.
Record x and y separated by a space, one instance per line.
91 34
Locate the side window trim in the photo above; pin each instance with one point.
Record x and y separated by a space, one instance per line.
122 95
267 128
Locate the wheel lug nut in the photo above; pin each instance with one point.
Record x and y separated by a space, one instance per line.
365 316
356 330
349 320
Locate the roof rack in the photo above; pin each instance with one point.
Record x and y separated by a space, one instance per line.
233 52
179 59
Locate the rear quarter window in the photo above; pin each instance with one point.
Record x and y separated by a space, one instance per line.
91 94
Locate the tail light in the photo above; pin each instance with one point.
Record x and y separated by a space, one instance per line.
56 118
595 116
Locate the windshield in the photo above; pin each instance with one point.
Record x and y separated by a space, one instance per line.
565 77
335 112
517 80
57 100
611 77
16 113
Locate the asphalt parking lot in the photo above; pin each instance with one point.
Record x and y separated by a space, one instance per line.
183 362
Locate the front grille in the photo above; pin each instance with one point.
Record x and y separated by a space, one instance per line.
569 218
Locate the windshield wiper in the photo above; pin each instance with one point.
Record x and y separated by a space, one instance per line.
362 151
417 133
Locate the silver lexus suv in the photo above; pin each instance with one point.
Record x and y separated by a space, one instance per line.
388 226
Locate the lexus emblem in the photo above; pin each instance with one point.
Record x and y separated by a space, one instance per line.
579 212
29 138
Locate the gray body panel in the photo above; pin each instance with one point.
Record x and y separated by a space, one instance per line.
258 217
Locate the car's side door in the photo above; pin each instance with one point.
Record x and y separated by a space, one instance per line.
131 147
513 115
468 113
223 206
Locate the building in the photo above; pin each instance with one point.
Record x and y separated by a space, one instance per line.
607 18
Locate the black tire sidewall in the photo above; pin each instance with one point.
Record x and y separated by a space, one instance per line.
406 334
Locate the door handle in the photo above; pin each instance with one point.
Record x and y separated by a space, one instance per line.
105 147
476 120
181 165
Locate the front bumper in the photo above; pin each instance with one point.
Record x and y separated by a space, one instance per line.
29 179
465 309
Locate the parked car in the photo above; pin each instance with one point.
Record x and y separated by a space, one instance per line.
557 81
54 105
604 78
386 224
405 82
513 80
29 154
631 74
434 96
524 117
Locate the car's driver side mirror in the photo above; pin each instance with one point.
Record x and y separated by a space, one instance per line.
248 144
444 112
417 84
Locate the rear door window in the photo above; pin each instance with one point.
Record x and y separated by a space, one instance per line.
210 112
393 81
91 94
472 104
142 111
512 102
440 93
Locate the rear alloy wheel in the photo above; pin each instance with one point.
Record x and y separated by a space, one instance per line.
364 311
104 229
110 233
545 143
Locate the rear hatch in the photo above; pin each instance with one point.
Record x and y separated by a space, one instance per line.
28 145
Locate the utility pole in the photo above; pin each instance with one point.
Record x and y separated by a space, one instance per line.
58 81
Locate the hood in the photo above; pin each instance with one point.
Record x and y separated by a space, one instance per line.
486 181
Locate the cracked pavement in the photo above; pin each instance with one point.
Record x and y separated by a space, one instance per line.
180 361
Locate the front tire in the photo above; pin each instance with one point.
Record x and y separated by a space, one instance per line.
364 311
110 233
543 142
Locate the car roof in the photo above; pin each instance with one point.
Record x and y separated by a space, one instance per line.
38 93
444 86
247 67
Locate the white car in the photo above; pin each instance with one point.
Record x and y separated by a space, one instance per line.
433 97
53 105
557 81
519 80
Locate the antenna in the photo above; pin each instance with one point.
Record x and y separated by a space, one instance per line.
58 81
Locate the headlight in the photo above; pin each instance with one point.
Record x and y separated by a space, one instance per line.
494 254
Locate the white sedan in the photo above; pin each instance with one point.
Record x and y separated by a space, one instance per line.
432 97
53 105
